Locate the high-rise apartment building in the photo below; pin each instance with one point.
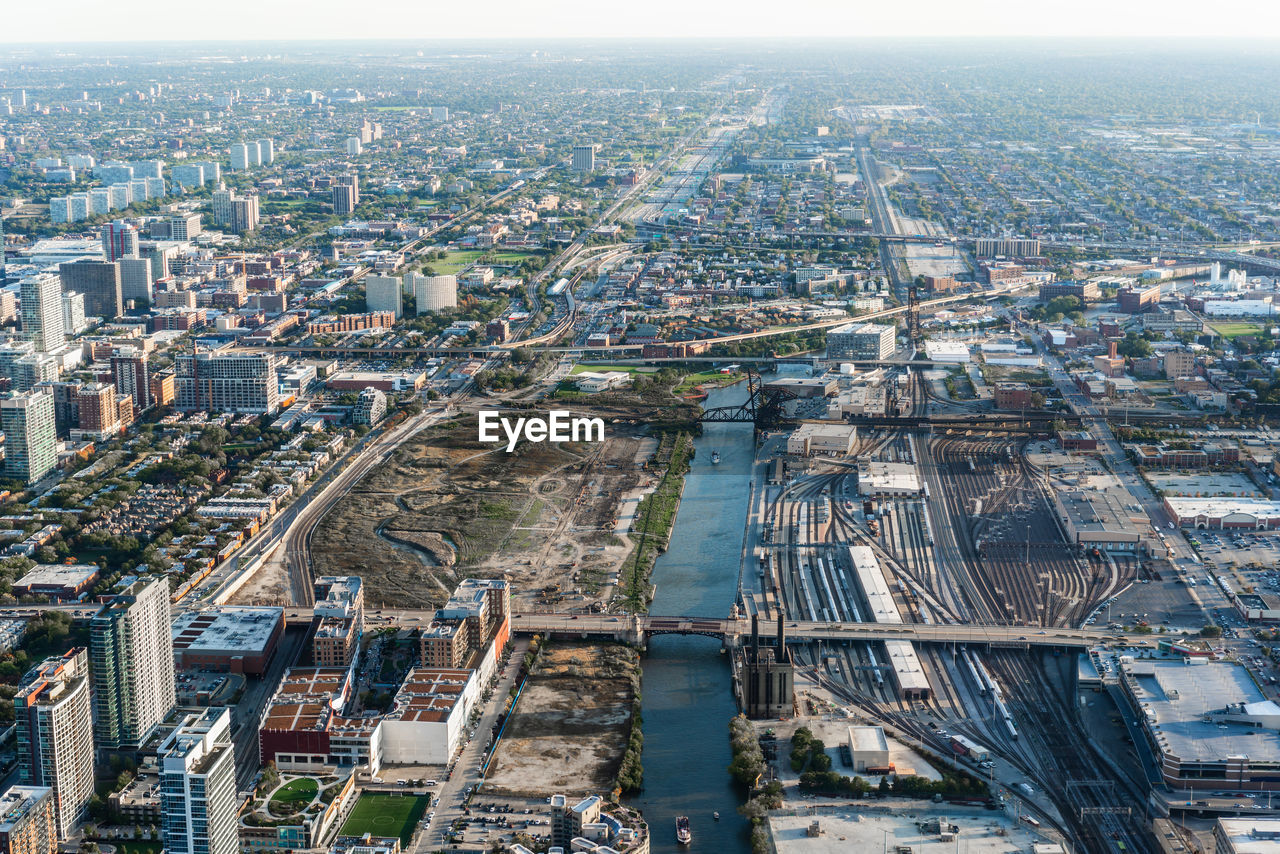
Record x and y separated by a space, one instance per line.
73 316
28 820
99 414
131 374
131 643
267 151
239 157
99 281
184 226
40 297
346 194
135 280
222 205
433 293
584 158
226 382
55 734
119 240
354 146
198 802
244 214
31 435
383 293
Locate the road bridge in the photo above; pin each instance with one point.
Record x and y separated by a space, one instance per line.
732 631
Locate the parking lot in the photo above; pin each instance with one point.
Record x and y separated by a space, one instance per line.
1224 548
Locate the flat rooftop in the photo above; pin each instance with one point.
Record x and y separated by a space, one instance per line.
875 476
1176 698
981 832
227 629
1252 835
58 575
868 738
1225 506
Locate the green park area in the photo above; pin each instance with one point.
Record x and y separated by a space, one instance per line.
386 815
455 260
296 793
1234 329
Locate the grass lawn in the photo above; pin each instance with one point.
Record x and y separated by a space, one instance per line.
456 259
1235 329
296 792
386 815
692 381
602 369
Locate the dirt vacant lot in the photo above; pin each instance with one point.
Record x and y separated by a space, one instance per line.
571 726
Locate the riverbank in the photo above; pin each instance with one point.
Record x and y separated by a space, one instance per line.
655 517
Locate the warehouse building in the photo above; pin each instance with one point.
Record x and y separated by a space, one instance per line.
56 581
861 341
229 639
869 749
830 440
908 675
887 480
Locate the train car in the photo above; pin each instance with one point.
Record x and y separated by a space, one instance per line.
1031 821
973 672
964 747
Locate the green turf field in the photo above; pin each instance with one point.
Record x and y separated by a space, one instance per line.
386 814
1234 329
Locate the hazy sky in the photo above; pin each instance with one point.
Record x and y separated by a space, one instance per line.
132 20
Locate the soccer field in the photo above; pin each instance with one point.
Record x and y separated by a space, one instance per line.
386 814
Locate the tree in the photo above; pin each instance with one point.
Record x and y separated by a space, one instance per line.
1211 631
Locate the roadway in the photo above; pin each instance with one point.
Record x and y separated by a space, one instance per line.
802 631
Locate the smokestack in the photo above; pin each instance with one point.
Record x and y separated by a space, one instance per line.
755 636
782 635
1111 348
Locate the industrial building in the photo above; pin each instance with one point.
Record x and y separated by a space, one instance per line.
230 639
57 581
1208 723
1249 835
869 749
903 663
861 341
768 675
829 440
887 480
1096 511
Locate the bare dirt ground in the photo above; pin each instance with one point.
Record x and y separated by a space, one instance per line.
446 506
571 726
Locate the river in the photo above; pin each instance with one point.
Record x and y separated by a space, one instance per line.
687 687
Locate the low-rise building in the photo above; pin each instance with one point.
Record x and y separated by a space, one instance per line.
227 638
809 440
884 479
57 581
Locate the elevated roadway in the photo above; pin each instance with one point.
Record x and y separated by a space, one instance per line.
738 630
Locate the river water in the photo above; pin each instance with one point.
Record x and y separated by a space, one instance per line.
687 687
